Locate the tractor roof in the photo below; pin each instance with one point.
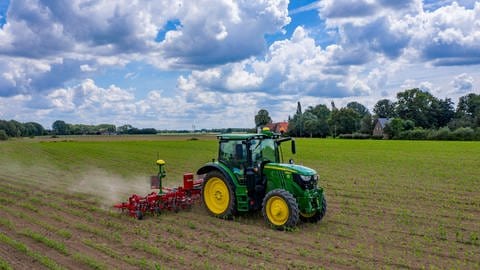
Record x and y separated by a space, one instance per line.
245 136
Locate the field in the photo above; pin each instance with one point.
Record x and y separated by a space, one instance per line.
391 204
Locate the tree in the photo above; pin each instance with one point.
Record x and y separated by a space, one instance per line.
469 105
106 128
408 125
33 129
59 127
322 114
384 108
359 108
299 108
295 124
124 129
310 123
442 112
262 118
344 121
366 124
30 129
416 105
468 111
14 128
394 128
3 135
361 111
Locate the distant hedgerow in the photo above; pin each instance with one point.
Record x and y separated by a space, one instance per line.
3 135
355 136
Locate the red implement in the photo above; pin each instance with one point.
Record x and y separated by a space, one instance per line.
168 199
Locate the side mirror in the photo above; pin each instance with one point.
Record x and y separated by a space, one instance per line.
294 148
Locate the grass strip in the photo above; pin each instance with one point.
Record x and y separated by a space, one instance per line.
19 246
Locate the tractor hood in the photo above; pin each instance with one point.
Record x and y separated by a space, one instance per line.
293 168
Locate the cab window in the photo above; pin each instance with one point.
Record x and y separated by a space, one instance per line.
263 150
233 153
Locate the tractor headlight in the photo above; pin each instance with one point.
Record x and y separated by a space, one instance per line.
306 181
306 178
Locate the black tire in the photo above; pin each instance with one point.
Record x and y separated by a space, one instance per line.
280 209
139 214
318 215
218 205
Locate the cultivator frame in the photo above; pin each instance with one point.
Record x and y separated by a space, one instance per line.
182 197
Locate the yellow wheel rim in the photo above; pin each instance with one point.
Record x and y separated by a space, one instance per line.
216 195
277 210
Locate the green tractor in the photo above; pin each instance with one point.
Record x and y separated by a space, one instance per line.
249 175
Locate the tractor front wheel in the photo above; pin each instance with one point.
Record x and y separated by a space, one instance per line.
218 195
280 209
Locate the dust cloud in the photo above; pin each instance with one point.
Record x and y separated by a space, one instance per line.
106 188
110 188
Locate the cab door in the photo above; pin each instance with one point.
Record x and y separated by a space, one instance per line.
233 153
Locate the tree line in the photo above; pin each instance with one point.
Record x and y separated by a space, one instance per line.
415 114
14 128
60 127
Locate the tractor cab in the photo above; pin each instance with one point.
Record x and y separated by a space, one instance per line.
246 156
249 172
243 152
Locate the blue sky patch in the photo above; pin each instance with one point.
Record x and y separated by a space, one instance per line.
171 25
3 11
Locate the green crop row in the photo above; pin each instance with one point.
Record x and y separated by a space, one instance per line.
142 263
115 236
4 265
89 261
32 219
60 247
19 246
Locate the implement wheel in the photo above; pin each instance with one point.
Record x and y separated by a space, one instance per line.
139 214
218 195
317 215
280 209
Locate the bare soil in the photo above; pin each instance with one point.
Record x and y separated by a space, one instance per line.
368 225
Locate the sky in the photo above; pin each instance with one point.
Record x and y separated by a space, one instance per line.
174 64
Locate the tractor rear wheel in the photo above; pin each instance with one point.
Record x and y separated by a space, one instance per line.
218 195
280 209
315 216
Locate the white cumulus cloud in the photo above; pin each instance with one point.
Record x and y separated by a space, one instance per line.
463 83
76 38
296 66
